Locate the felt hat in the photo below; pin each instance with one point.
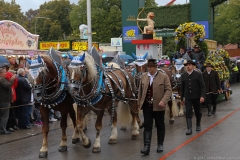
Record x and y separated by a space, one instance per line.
152 62
189 62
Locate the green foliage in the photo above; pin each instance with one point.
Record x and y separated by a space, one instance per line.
227 23
204 47
106 18
216 2
150 3
11 11
58 12
168 16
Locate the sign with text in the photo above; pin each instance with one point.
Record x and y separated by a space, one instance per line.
116 42
165 33
129 33
206 27
83 46
14 36
65 45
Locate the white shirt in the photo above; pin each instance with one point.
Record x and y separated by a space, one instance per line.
151 77
189 73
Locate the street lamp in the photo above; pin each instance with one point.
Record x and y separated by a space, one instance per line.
36 22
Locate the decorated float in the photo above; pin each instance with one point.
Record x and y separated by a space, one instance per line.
192 33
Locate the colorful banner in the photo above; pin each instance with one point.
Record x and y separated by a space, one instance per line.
13 36
65 45
83 46
129 33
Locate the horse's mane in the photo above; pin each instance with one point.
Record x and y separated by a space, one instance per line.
90 64
113 64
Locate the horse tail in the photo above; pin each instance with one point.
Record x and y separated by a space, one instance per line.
124 116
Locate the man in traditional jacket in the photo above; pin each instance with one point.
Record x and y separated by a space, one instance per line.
212 83
153 94
192 94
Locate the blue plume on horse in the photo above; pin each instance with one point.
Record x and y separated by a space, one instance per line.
29 61
39 59
104 56
70 56
174 59
134 56
145 56
82 57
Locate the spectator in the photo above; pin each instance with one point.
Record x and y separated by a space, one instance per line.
238 74
12 121
23 98
5 99
234 73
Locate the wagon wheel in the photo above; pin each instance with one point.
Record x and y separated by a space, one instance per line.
227 91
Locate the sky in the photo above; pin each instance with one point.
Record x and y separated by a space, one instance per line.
34 4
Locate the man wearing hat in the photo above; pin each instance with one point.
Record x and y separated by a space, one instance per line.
181 52
153 94
212 83
192 94
198 56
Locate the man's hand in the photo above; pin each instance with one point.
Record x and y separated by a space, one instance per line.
182 102
161 104
201 100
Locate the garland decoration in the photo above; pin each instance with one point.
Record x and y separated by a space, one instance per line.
190 30
220 62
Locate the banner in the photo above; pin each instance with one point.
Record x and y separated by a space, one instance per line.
129 33
65 45
13 36
206 27
83 46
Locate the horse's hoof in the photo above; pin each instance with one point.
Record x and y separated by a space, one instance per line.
181 114
112 141
62 149
43 154
88 145
171 121
85 129
96 150
75 141
141 126
134 137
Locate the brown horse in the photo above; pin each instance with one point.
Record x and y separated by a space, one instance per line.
97 90
49 87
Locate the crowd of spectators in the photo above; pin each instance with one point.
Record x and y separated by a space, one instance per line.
17 107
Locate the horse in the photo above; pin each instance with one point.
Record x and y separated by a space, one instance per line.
50 88
96 88
141 67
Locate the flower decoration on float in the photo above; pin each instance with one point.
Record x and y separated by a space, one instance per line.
190 30
218 61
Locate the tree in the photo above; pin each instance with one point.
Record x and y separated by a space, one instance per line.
227 22
11 11
150 3
30 19
58 11
106 18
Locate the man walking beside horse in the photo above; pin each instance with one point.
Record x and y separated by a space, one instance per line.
153 95
193 90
